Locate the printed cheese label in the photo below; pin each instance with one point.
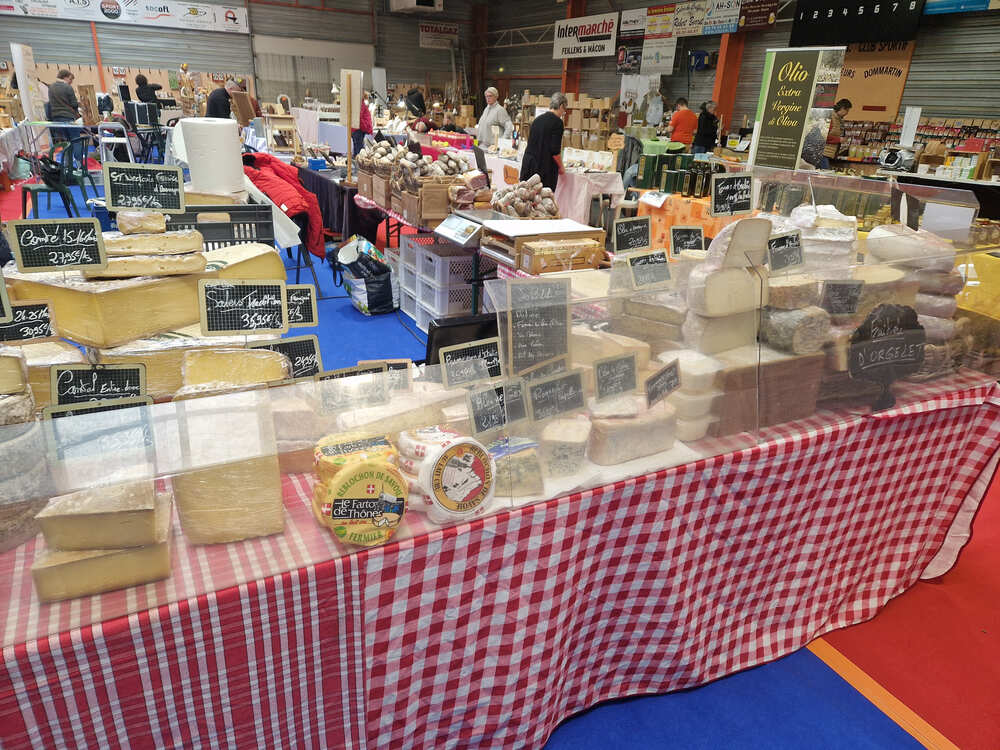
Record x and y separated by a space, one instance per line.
462 477
364 504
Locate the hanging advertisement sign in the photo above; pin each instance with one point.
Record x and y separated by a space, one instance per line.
758 14
795 106
434 35
588 36
820 22
934 7
659 46
873 78
721 17
177 15
689 18
631 32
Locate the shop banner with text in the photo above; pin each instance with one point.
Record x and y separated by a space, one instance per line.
758 14
721 17
660 43
821 22
795 106
873 78
434 35
631 32
588 36
689 18
194 16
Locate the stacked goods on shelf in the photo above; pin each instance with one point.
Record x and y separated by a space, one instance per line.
378 159
864 141
527 199
473 192
102 540
589 120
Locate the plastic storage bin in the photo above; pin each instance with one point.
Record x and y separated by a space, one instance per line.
424 317
443 301
448 265
409 244
392 258
408 303
408 278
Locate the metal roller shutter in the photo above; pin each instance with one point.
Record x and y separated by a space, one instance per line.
535 59
274 20
752 69
398 49
167 48
51 40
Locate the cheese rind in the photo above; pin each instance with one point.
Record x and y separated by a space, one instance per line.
67 574
937 282
936 305
713 335
615 441
792 292
689 430
17 524
149 265
663 307
13 370
141 222
234 366
334 452
937 330
122 515
693 405
797 331
40 358
164 243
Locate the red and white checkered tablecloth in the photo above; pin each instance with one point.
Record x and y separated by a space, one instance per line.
488 634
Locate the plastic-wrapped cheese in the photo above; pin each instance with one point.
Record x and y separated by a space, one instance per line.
937 330
334 452
693 405
21 448
420 442
792 292
937 282
715 293
797 331
713 335
518 467
936 305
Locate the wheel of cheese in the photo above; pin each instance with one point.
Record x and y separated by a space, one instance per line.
409 465
364 504
420 443
21 450
334 452
459 478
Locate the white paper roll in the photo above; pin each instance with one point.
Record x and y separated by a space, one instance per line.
213 154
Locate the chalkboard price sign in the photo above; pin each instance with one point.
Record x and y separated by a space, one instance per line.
632 234
302 352
242 307
538 321
128 187
732 194
649 270
663 383
686 238
400 372
785 251
496 407
30 322
556 395
841 297
886 347
615 376
301 305
41 245
473 362
74 384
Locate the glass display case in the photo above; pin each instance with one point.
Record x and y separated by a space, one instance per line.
791 319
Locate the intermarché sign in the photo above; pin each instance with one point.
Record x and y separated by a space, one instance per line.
589 36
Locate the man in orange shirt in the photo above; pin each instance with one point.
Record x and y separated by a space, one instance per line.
683 123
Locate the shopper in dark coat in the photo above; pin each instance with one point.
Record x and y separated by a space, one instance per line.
707 134
219 102
146 91
543 154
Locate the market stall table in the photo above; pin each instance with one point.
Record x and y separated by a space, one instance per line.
489 633
336 200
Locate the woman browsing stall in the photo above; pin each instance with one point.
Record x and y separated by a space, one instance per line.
542 156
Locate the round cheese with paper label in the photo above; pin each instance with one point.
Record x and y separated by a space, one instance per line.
364 504
418 444
459 478
334 452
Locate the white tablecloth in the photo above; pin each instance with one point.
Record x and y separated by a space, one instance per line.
574 191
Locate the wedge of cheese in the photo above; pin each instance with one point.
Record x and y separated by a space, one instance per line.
714 335
234 366
66 574
132 266
716 293
121 515
664 307
164 243
141 222
41 357
13 370
587 346
110 313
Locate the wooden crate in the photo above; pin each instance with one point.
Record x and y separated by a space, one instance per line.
397 202
365 184
381 191
548 256
514 247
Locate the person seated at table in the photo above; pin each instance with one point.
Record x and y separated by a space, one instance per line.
146 91
683 123
542 155
449 124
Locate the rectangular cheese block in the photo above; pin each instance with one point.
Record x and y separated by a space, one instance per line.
519 468
131 266
67 574
110 313
164 243
615 441
227 503
714 335
587 346
141 222
792 292
40 358
234 366
663 307
122 515
693 405
13 370
163 354
564 446
657 335
699 372
717 293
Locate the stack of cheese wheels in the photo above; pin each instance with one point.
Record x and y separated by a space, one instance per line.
360 494
451 477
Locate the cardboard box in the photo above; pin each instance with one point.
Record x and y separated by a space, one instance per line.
397 203
381 191
570 100
575 120
411 208
365 184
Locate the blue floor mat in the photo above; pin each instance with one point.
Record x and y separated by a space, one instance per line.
795 702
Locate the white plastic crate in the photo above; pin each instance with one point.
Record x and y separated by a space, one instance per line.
442 301
409 244
408 278
424 318
392 258
447 265
408 303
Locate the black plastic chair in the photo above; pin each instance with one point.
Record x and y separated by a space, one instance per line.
51 183
78 149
